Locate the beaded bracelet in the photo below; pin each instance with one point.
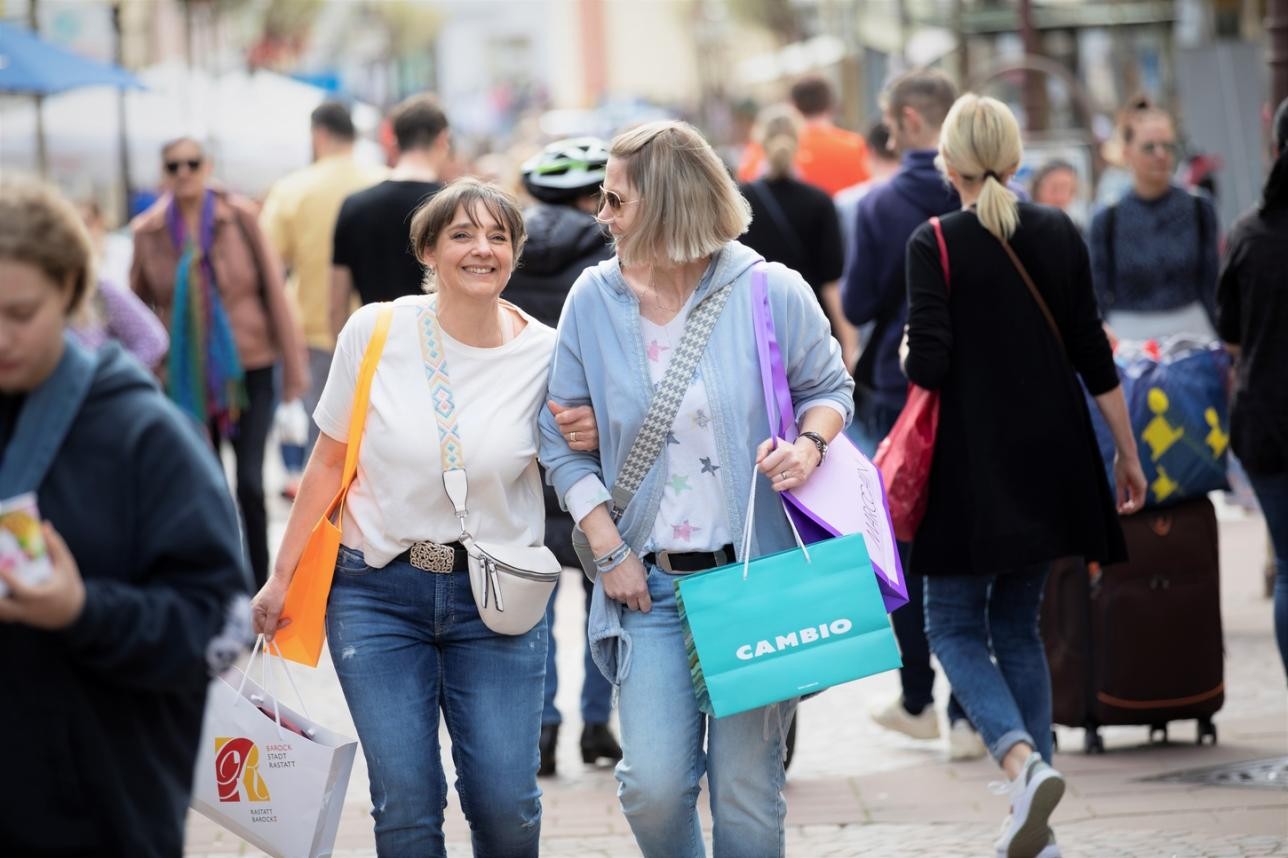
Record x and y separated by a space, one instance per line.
612 559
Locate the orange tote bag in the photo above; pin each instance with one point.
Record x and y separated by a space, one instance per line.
306 598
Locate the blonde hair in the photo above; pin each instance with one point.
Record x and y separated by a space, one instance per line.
41 227
435 214
980 140
689 205
779 138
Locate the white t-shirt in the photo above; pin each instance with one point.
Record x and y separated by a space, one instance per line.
397 498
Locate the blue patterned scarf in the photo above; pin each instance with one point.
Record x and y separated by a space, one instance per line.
205 376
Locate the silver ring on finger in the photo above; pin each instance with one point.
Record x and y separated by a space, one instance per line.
572 436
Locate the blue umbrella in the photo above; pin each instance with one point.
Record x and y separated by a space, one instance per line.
33 66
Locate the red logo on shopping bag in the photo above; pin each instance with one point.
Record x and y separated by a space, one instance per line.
237 760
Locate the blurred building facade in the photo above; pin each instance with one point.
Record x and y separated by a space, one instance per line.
498 63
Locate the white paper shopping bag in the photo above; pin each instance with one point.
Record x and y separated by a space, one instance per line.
269 774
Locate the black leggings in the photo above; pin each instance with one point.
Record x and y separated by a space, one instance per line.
250 437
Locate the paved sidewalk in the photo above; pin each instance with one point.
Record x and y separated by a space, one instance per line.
855 789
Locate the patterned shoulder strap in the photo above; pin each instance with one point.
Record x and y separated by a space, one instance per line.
648 442
434 356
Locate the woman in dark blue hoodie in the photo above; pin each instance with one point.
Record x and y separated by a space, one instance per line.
105 661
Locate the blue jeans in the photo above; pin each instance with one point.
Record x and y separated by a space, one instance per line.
407 644
596 691
1272 495
664 759
872 422
972 620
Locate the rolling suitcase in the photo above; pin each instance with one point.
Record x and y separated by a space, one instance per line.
1140 642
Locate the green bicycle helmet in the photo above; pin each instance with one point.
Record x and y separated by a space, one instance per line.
566 170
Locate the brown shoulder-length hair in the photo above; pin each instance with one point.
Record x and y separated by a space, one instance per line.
689 205
435 214
41 227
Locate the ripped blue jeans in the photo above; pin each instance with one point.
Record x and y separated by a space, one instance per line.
408 644
663 734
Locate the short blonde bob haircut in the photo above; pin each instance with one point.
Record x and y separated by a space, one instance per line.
39 226
980 140
436 214
689 205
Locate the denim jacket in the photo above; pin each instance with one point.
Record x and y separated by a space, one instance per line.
600 361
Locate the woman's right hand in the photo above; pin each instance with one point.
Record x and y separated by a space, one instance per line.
627 584
266 607
1129 480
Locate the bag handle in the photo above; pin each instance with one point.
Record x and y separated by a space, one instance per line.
1033 290
361 399
779 217
261 648
943 249
747 527
451 448
773 376
647 446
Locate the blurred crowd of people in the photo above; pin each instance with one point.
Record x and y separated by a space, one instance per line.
233 307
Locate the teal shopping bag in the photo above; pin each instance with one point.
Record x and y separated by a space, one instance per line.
784 625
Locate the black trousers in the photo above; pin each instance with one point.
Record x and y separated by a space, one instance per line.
916 675
250 438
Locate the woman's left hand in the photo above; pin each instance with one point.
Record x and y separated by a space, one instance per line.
54 603
788 466
577 425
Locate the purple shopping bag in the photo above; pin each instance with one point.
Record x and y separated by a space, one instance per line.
846 494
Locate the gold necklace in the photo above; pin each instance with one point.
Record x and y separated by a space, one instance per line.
653 291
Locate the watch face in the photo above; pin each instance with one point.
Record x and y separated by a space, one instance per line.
818 442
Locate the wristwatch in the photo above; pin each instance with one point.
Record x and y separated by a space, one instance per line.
818 442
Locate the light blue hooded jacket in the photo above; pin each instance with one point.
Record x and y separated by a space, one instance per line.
600 361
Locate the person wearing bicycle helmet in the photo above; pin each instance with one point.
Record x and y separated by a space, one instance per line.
564 239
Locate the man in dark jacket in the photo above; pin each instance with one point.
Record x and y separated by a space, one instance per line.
873 291
564 239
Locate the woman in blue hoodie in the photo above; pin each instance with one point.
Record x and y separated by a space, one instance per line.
674 214
105 661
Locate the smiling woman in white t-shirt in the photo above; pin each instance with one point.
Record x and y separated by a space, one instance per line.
407 641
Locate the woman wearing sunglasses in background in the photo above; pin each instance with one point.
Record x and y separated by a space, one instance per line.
1154 252
203 266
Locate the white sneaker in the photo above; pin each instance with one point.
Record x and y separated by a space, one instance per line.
1051 850
893 716
1034 795
964 743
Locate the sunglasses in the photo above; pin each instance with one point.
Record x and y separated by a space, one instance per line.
173 167
613 200
1153 148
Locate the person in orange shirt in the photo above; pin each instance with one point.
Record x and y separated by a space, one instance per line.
828 157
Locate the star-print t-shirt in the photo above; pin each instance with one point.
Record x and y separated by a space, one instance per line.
693 515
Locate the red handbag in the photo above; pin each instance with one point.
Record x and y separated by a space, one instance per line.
904 456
